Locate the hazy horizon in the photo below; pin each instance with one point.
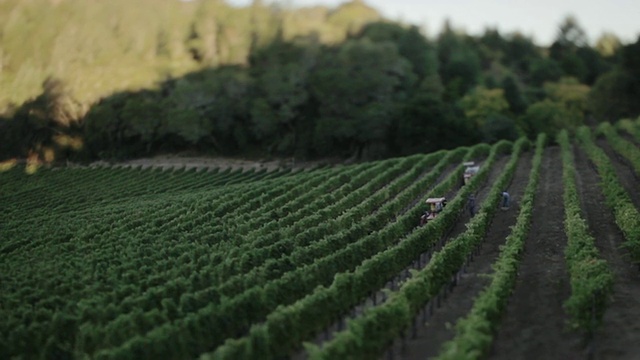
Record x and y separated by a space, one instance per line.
539 19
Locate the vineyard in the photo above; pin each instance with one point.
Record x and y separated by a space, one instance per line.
329 262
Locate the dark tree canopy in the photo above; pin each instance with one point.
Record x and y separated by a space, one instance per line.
121 79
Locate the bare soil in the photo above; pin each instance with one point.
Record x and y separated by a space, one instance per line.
628 178
534 324
176 162
619 335
439 327
380 296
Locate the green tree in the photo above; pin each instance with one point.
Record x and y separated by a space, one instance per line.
218 101
573 65
37 124
480 103
568 96
571 34
566 50
357 87
543 70
498 127
570 93
492 47
594 63
143 116
419 51
549 117
104 129
513 95
412 45
520 53
616 93
608 45
609 99
427 123
459 64
282 72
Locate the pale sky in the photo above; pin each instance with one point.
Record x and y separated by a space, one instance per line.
536 18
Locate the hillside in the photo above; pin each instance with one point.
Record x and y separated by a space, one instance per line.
330 262
116 80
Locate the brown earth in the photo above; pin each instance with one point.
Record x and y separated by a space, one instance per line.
619 335
380 296
534 323
439 326
627 176
176 162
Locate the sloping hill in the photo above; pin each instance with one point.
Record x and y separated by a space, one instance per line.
126 262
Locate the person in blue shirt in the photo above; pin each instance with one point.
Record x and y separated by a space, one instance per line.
505 200
472 205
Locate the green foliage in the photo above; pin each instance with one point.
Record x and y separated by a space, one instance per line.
608 45
412 45
548 117
570 93
595 64
615 94
492 46
573 54
520 52
428 123
474 333
481 103
543 70
458 63
571 34
364 336
590 276
282 74
514 96
609 99
273 80
626 215
498 127
356 87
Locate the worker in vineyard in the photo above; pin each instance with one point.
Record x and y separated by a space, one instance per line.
424 217
505 200
472 205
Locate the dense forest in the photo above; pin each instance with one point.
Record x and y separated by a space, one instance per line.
85 80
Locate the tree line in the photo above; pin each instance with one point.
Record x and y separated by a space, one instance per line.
270 81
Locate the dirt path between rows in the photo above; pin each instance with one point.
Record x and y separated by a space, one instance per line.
430 334
629 137
619 336
628 178
439 327
481 194
534 324
166 162
380 296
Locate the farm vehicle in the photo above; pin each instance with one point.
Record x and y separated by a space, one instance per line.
436 205
471 169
